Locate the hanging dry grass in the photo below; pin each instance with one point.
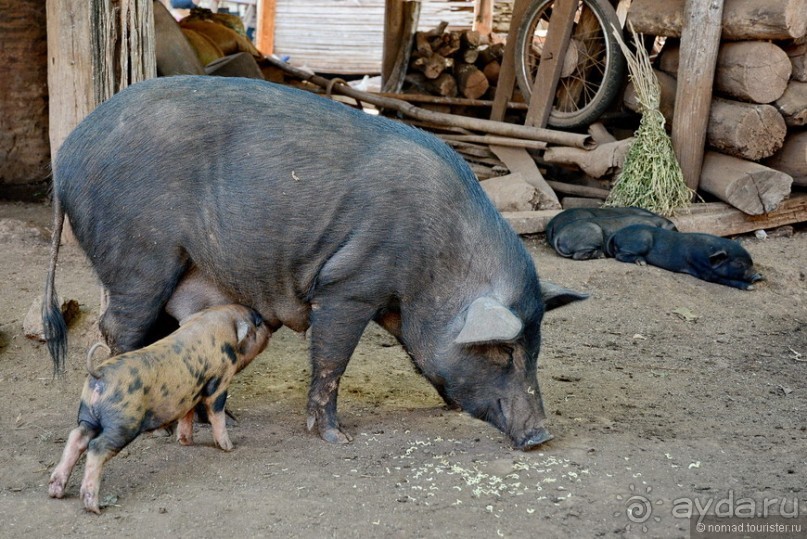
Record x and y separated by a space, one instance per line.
651 177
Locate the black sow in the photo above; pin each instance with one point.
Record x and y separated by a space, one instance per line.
316 215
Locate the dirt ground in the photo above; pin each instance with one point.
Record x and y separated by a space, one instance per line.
663 392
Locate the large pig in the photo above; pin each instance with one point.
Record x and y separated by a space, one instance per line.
315 214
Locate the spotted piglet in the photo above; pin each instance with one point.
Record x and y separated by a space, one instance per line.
149 388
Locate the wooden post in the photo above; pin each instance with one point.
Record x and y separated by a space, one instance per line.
394 78
265 32
558 34
700 39
517 159
95 49
70 68
483 16
393 30
507 74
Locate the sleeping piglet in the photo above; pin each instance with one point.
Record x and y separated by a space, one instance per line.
146 389
705 256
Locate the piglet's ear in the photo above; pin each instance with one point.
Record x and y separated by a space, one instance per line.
241 330
715 259
489 321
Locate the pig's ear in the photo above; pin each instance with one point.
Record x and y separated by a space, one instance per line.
715 259
489 321
555 296
241 330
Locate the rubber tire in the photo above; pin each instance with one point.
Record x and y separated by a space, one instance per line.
614 68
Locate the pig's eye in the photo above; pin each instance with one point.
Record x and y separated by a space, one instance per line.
508 350
500 355
257 319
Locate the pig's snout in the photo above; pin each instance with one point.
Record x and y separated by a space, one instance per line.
533 439
523 420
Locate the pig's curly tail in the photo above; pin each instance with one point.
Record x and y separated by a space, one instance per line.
90 368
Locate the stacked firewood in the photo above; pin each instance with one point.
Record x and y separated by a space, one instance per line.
453 63
756 130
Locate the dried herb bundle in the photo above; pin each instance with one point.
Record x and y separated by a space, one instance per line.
651 177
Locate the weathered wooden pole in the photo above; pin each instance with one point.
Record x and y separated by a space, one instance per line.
700 40
95 49
265 32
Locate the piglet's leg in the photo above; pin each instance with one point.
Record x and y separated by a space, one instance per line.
77 443
185 429
218 420
100 450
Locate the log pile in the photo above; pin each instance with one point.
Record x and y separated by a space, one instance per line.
756 128
453 63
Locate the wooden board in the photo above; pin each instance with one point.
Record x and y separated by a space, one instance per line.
723 220
712 218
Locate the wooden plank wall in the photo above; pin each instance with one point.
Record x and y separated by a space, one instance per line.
347 36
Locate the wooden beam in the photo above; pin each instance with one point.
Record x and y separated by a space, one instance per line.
393 30
558 34
458 101
483 16
507 74
265 32
394 78
723 220
70 67
94 50
529 222
494 128
712 218
500 141
579 190
700 40
519 161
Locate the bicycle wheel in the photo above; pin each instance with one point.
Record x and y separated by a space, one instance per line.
593 67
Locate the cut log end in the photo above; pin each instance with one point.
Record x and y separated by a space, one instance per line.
750 187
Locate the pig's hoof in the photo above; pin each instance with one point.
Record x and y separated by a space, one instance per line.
91 504
334 436
56 487
185 440
225 444
331 434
